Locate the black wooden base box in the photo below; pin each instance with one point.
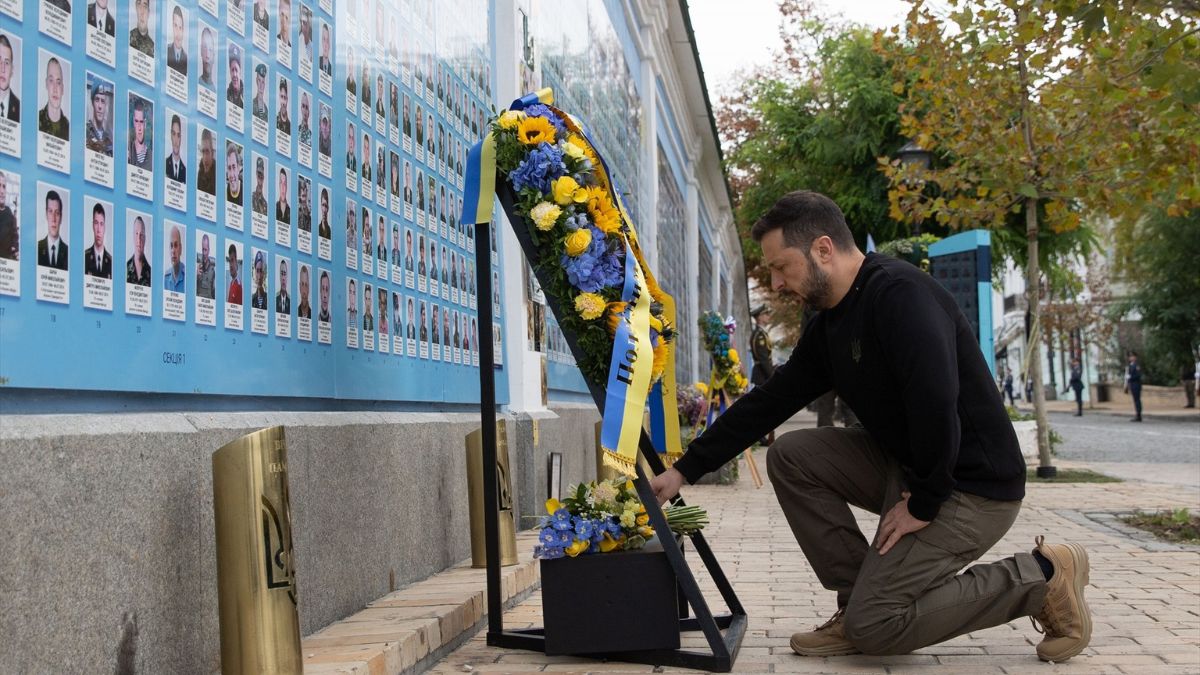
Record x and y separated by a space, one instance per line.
610 602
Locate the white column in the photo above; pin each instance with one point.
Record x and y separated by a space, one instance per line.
648 227
523 366
692 242
715 285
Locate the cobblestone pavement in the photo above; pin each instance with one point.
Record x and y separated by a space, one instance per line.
1144 595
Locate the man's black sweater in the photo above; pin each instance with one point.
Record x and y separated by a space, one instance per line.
899 351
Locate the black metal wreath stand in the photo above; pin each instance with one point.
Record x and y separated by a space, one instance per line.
724 647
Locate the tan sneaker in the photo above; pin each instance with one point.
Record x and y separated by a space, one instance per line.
1065 618
829 639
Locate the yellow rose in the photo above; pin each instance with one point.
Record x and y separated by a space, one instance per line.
578 241
733 356
573 151
702 388
509 119
589 306
577 145
566 190
545 215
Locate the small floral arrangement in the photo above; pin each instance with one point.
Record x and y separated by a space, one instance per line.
606 516
598 517
728 373
691 400
576 222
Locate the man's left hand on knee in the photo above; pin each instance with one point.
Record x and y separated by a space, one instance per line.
895 524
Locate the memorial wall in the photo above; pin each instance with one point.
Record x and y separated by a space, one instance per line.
220 215
242 198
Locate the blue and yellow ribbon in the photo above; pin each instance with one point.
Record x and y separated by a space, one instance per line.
631 363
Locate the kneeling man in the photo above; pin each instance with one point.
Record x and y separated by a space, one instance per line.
937 457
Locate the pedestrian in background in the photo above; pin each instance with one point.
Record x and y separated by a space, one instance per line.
1008 387
1188 377
1133 385
1076 384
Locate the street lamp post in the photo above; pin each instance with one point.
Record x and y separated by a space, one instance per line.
913 155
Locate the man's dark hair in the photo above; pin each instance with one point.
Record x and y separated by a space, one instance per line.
804 216
99 209
52 196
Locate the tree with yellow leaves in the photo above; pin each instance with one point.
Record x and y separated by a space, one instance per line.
1054 111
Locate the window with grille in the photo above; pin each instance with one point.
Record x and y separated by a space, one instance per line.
672 259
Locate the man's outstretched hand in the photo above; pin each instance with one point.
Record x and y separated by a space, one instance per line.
666 485
897 523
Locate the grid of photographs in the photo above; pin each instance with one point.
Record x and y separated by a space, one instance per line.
412 105
153 122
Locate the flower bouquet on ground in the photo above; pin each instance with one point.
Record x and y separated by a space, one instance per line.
605 516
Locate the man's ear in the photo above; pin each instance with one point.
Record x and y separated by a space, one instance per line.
822 249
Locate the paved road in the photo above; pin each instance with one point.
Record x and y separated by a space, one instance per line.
1154 451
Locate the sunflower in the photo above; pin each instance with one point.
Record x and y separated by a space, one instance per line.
605 215
534 130
660 360
614 312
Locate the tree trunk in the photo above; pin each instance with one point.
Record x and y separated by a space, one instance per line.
1035 314
1033 273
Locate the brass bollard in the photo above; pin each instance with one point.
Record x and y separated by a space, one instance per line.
508 527
256 579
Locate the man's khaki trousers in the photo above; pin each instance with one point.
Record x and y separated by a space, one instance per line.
914 596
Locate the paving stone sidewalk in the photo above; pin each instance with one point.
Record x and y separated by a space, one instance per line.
1144 595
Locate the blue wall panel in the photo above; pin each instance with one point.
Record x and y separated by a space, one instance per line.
75 329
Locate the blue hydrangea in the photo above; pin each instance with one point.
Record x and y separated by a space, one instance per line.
542 110
576 221
539 168
596 268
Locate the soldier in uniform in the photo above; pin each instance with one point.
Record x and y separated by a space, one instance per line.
258 200
98 135
760 349
233 93
259 104
760 346
139 37
52 119
283 121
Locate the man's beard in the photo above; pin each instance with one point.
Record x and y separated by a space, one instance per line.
816 289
